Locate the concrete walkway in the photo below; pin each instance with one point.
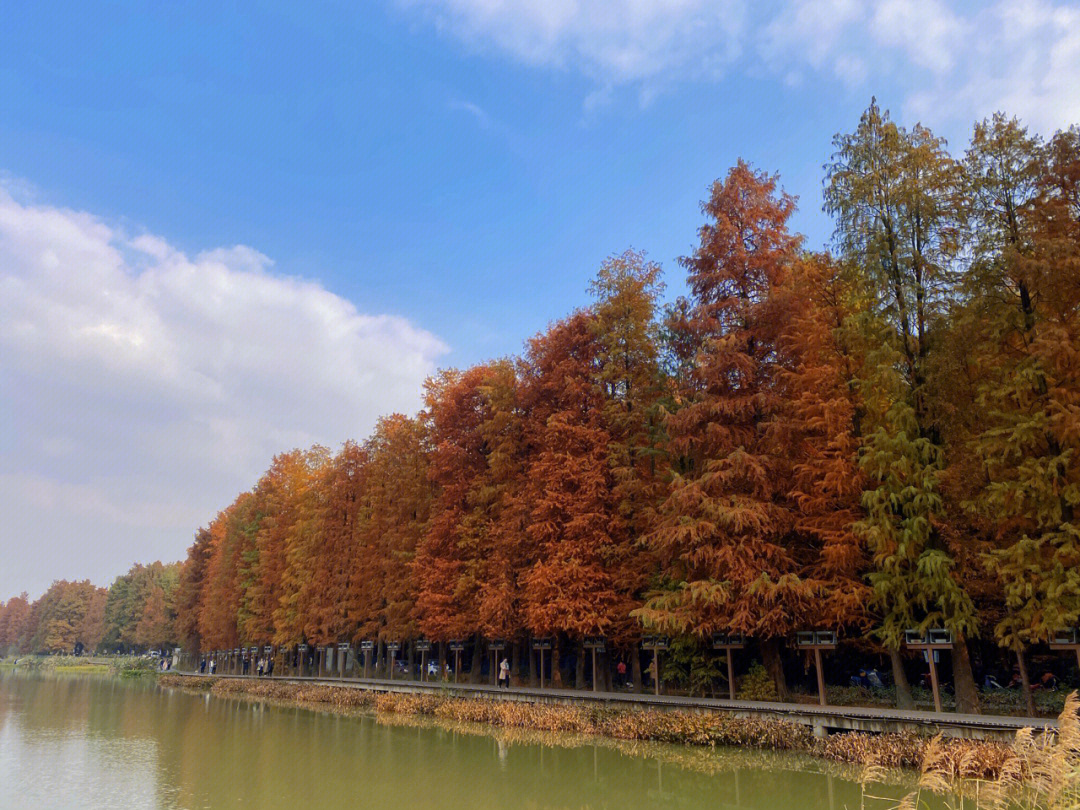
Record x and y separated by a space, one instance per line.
822 719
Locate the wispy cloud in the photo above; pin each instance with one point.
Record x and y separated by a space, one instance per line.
483 120
948 60
615 41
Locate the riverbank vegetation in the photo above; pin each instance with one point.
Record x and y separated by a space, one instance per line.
1040 772
1042 769
123 665
880 438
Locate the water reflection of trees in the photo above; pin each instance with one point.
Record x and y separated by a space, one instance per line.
665 775
702 760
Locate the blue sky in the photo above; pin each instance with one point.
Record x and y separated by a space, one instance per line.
403 169
303 211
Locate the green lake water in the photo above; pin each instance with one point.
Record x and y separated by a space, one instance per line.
69 741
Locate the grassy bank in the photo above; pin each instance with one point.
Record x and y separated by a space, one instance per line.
123 665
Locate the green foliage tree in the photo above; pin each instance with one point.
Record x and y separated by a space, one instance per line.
895 194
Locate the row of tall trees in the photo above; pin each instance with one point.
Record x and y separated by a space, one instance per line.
876 439
135 613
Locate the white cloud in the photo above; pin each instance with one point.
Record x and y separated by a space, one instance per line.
925 31
945 61
143 388
808 32
1020 56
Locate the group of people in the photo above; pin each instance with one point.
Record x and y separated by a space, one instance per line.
264 665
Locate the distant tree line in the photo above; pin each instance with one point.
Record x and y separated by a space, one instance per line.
134 614
881 438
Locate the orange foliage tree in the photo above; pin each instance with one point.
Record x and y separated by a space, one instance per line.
448 557
569 588
724 525
818 428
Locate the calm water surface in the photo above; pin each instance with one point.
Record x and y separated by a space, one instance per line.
102 742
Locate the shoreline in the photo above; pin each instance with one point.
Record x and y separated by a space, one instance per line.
691 730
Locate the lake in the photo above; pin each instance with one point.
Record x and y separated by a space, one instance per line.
69 741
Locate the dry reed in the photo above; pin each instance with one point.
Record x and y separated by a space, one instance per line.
1038 772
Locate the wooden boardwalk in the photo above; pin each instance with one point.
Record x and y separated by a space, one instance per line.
822 719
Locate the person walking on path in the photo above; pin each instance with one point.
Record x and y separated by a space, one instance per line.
504 674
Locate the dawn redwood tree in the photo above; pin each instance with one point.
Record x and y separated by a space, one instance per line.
58 617
189 590
722 529
155 628
92 628
14 621
895 196
501 507
627 370
264 562
449 557
355 503
1025 295
330 512
287 548
475 547
127 597
1002 166
569 588
284 547
397 502
220 603
819 428
123 607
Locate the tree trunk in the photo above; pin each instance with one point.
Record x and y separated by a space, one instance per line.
556 670
515 660
442 660
904 700
1025 683
476 669
411 659
579 670
605 671
381 661
770 656
635 668
967 693
533 657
